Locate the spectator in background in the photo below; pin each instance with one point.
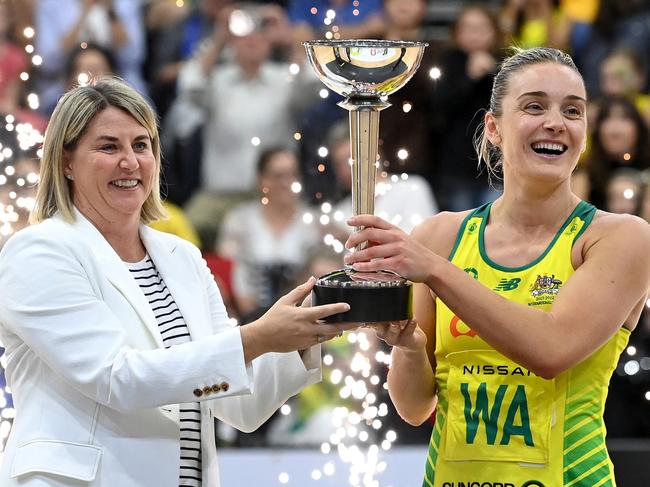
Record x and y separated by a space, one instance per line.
620 140
405 127
267 239
532 23
87 63
175 35
619 24
625 191
242 107
623 73
116 25
462 92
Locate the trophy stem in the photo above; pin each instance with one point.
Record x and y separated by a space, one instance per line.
364 138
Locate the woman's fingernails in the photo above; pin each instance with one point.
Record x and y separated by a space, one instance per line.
347 259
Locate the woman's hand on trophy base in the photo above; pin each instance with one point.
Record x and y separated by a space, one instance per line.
292 325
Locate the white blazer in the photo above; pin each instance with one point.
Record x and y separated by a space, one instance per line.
95 392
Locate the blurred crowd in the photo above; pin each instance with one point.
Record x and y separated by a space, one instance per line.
256 154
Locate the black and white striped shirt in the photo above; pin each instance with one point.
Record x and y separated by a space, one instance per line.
174 331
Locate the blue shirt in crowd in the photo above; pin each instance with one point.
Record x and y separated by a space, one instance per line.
300 11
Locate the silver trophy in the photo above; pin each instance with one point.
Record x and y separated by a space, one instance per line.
365 72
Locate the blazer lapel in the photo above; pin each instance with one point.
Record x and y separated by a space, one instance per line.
118 274
179 276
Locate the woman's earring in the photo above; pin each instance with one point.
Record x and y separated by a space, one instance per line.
69 176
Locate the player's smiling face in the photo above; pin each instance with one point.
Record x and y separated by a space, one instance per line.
542 128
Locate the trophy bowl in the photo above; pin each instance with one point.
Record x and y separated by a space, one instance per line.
364 68
364 72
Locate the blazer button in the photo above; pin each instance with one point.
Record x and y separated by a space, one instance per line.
225 386
198 392
207 390
216 388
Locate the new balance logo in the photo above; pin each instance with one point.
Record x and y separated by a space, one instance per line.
508 284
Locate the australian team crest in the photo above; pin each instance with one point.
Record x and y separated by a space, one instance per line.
544 289
545 285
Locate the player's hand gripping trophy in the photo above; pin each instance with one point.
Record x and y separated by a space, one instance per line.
365 72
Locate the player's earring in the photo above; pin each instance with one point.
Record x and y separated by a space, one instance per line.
69 176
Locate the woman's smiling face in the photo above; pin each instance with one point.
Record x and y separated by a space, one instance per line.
111 168
618 134
542 128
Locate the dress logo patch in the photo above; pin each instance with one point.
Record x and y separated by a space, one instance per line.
508 284
545 285
544 289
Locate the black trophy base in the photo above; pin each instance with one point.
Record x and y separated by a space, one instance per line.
372 296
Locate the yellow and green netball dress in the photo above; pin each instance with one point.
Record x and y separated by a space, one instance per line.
497 424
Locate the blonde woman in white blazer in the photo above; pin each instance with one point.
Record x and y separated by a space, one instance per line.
96 385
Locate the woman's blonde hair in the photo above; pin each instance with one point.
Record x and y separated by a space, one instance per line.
490 154
73 114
